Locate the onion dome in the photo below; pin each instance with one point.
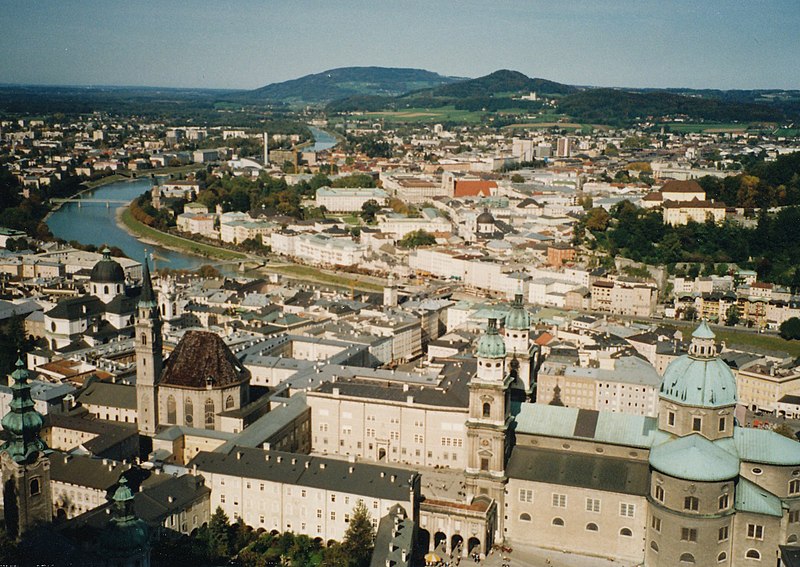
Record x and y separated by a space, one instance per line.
491 345
107 270
700 378
518 318
126 536
22 421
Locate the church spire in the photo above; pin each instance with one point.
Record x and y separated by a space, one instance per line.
148 296
22 421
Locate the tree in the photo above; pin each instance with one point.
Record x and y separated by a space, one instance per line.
369 209
417 238
517 178
790 329
219 540
689 314
597 219
732 316
359 539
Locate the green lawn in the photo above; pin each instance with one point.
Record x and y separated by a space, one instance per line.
317 275
176 241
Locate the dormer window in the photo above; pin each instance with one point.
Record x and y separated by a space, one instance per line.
697 423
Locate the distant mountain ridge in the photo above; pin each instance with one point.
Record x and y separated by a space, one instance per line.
345 82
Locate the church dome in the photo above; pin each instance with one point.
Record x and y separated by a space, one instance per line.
700 378
518 317
126 536
107 270
491 345
485 218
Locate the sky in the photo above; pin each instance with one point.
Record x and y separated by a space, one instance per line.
249 43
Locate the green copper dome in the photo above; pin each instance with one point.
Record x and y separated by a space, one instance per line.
22 421
518 317
491 345
126 536
700 378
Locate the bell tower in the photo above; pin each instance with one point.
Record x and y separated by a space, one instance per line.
520 354
148 356
27 498
488 423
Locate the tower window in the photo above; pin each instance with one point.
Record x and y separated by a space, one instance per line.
487 409
143 338
671 418
35 486
229 402
722 424
697 423
484 464
659 493
691 503
794 486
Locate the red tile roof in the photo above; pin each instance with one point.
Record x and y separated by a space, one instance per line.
474 188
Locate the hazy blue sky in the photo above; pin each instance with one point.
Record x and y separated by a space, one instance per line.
249 43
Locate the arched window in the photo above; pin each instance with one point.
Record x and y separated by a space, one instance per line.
591 527
792 539
209 413
558 522
487 409
53 326
687 558
171 410
794 486
752 554
105 289
722 557
525 517
229 402
188 412
36 486
626 532
654 546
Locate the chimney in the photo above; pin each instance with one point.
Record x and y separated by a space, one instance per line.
279 459
350 469
238 455
307 463
392 478
322 465
170 499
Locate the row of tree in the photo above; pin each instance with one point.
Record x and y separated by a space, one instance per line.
223 542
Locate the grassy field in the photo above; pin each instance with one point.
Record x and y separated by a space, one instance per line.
768 342
425 115
711 127
743 339
171 241
788 132
316 275
105 181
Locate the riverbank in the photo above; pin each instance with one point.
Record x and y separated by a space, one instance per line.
290 270
151 236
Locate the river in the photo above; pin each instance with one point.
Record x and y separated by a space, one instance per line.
95 223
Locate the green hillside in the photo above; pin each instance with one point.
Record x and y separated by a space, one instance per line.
351 81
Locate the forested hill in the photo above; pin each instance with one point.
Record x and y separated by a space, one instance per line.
499 82
351 81
614 106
